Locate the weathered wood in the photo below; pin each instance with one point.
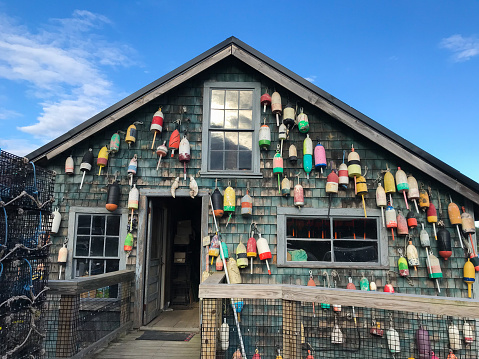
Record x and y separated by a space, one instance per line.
404 302
215 278
84 284
160 90
352 122
140 261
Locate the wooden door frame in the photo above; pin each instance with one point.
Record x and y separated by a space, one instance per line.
141 247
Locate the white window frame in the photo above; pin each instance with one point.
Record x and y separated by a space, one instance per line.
255 172
309 213
72 216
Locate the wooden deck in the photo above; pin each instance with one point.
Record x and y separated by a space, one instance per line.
128 347
177 320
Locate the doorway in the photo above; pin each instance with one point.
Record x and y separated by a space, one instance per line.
172 263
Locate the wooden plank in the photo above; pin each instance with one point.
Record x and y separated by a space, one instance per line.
140 262
352 122
379 300
160 90
84 284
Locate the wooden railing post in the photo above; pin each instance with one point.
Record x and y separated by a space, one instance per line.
209 328
291 330
68 321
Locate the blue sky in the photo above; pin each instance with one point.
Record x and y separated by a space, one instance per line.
412 66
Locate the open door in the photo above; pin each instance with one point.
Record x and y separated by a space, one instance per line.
154 262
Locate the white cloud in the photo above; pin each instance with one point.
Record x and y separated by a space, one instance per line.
463 48
19 147
310 78
63 66
8 114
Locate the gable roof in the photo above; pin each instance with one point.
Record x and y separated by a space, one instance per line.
389 140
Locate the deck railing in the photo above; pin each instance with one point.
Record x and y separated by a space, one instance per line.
284 318
84 314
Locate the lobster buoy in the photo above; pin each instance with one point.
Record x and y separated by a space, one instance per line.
278 167
276 107
302 122
391 219
288 116
432 217
307 155
455 218
423 343
86 164
381 201
265 100
113 197
286 187
411 219
451 355
161 151
132 168
298 195
282 135
128 245
362 189
332 183
402 227
402 184
174 142
224 249
264 136
241 257
133 199
412 255
394 344
413 193
229 202
62 258
219 264
468 227
225 335
403 267
423 200
455 342
354 166
57 218
256 354
319 157
115 143
131 134
69 166
156 125
444 243
293 154
364 283
434 268
214 249
217 199
468 333
102 160
343 173
233 271
424 237
184 154
251 250
247 205
389 185
264 251
469 276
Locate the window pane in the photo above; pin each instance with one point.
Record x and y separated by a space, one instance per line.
112 265
246 141
84 222
217 140
231 141
218 99
231 160
308 228
217 118
82 268
245 119
245 160
111 247
113 226
231 99
364 228
216 160
309 250
355 251
98 225
97 266
97 244
82 247
231 119
246 100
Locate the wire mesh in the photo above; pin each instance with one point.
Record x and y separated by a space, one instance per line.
73 322
298 329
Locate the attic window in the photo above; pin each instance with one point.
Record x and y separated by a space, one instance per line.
230 126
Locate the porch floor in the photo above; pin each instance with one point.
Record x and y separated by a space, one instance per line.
177 320
128 347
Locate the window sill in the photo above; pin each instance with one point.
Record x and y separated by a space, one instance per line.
230 174
325 265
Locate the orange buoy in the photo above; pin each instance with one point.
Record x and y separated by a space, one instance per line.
174 143
312 284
